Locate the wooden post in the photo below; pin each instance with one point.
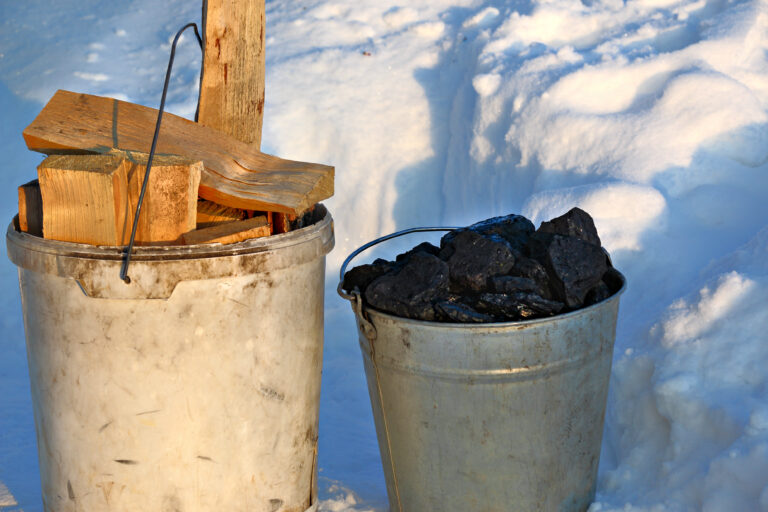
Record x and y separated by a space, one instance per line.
232 90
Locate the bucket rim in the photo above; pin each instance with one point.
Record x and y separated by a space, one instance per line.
167 252
502 325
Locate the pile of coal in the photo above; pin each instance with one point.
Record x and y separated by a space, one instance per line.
498 270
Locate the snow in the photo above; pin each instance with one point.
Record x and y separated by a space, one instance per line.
650 114
6 498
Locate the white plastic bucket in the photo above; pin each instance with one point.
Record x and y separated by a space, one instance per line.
193 388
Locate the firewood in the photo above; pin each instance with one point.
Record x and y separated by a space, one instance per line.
282 222
92 199
210 214
230 232
85 199
236 174
169 208
31 208
232 89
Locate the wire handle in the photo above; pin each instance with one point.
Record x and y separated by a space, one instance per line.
343 270
369 331
129 249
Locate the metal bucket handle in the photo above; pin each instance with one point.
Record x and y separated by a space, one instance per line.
368 329
343 270
357 301
134 228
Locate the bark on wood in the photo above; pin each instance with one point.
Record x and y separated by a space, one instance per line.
232 90
236 174
229 232
31 208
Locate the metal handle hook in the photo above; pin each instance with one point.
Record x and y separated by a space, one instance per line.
129 249
343 270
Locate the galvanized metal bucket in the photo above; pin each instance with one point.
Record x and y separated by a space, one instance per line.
195 387
488 417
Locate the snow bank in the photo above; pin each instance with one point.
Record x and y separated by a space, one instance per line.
650 114
6 498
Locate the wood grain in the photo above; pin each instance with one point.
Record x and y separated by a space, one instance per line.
230 232
85 199
236 174
170 205
232 90
92 199
210 214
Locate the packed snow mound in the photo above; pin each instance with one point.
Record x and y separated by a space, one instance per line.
650 114
698 437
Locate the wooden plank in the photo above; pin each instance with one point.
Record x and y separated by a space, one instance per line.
170 204
229 232
232 90
31 208
85 199
236 174
210 214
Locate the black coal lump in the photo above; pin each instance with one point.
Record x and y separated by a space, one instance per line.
612 278
515 229
497 270
363 275
422 247
538 303
503 307
574 266
576 223
409 290
461 313
597 294
475 259
531 269
512 284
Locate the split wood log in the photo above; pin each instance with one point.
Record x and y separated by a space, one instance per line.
282 222
236 174
85 199
232 89
169 208
92 199
210 214
31 208
230 232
